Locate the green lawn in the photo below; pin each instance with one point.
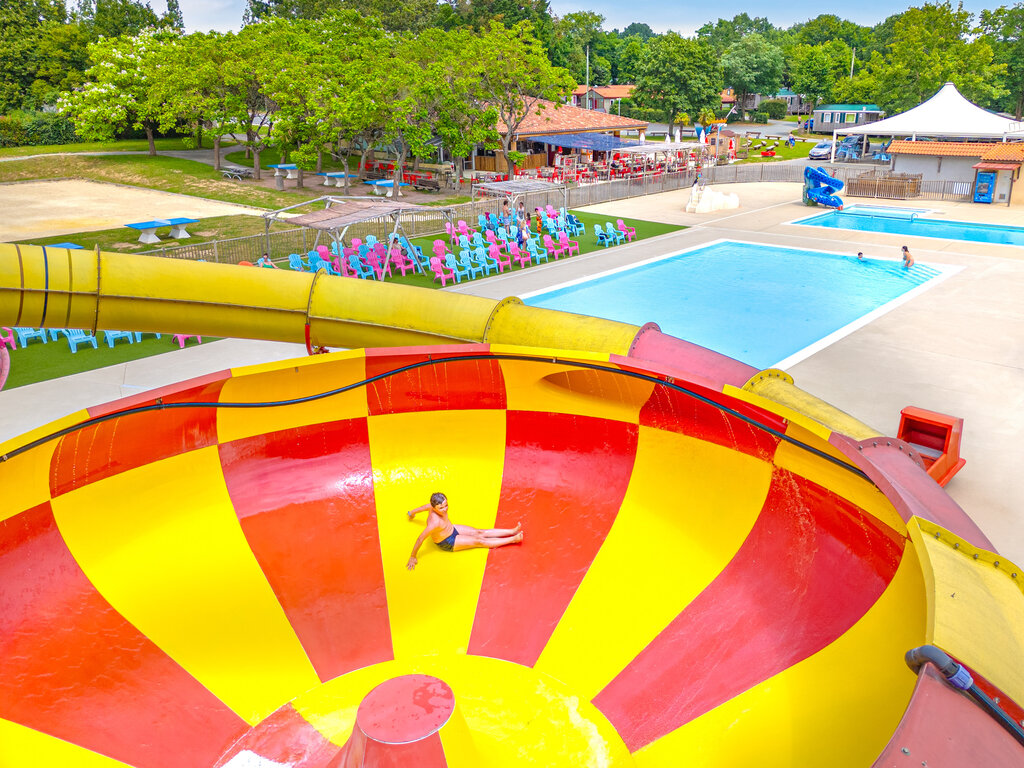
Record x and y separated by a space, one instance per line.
121 145
122 240
41 362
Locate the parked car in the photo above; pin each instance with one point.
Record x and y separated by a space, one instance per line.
821 151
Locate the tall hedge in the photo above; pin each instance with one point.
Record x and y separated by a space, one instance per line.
776 108
36 129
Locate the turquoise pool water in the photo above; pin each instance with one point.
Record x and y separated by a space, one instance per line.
904 221
757 303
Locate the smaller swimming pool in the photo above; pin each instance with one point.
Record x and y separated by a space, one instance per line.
915 222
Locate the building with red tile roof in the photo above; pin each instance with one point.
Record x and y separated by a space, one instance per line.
603 97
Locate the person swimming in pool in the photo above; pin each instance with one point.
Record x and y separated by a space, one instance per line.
452 538
908 260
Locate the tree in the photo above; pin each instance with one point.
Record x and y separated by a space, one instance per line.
517 79
827 27
678 76
23 24
814 70
638 29
575 34
117 95
173 19
1004 31
752 65
114 18
630 55
725 32
929 46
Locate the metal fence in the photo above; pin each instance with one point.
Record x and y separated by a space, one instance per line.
424 221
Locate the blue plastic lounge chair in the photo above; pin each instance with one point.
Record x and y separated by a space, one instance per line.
481 257
138 335
27 334
295 262
602 236
619 236
472 268
361 270
113 336
76 336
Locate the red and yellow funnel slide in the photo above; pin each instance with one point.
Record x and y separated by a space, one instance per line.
214 574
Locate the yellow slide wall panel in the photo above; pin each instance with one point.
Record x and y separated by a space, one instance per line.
21 746
623 602
415 454
170 556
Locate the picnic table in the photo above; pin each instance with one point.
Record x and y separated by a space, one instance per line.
291 170
235 172
147 229
335 178
377 187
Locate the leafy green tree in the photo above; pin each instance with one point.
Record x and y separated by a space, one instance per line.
406 15
638 29
518 79
725 32
114 18
630 55
1004 31
929 46
678 76
827 27
814 70
117 94
574 34
22 26
752 65
172 18
61 58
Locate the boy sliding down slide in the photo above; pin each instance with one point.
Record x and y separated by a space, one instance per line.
452 538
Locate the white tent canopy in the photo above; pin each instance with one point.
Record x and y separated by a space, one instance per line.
947 113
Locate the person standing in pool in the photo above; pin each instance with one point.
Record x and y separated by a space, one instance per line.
453 538
908 260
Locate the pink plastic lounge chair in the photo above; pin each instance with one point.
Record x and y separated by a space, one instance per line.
400 260
495 253
492 238
554 250
7 338
630 231
441 272
181 338
522 259
567 245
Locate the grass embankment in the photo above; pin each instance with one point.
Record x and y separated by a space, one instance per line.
53 360
119 145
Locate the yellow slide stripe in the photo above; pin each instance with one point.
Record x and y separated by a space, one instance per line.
458 453
844 700
163 545
22 746
689 506
299 378
532 386
29 474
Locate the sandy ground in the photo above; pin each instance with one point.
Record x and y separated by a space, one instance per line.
43 208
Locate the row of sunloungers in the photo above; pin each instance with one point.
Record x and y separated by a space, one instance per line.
482 252
76 337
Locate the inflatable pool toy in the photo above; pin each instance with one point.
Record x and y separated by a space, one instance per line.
718 567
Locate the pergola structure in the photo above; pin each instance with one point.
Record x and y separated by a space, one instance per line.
340 213
513 190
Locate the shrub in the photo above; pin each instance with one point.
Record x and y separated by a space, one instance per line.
759 117
12 132
776 108
36 128
629 108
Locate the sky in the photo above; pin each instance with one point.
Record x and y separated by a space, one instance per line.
683 16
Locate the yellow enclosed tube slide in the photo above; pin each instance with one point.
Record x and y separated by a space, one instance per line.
68 288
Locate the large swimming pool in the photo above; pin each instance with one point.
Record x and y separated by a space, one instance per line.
913 221
767 306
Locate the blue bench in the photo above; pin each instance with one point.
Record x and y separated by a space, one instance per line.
147 229
381 184
291 170
334 178
71 246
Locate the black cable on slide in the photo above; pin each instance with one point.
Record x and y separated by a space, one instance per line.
159 406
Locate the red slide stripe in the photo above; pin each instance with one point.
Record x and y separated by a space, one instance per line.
286 738
676 412
305 500
126 442
460 385
565 477
811 567
72 667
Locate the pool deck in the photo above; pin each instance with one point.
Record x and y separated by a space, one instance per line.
958 348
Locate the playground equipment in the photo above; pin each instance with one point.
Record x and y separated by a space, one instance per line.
213 574
821 188
704 199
